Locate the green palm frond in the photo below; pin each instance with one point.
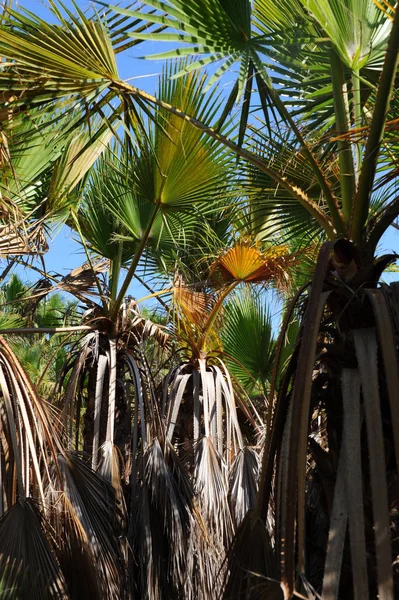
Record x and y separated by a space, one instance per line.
13 289
270 208
31 156
56 311
359 31
77 55
71 168
248 341
189 167
10 320
107 191
212 32
220 30
43 171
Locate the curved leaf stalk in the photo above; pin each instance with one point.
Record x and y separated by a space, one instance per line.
269 449
75 504
365 341
28 426
357 104
136 259
224 470
112 390
341 107
155 295
115 273
214 314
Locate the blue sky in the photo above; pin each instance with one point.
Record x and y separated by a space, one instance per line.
65 254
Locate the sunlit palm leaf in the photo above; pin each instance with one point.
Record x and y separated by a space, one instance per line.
77 56
75 162
68 68
245 262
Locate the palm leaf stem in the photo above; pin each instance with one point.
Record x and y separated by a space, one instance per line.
130 274
296 192
340 94
358 117
165 291
292 509
112 391
369 167
8 268
155 294
267 464
115 273
214 313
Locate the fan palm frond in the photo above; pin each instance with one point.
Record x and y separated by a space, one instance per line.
244 262
28 563
247 339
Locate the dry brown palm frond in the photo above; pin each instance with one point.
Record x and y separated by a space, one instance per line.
27 559
110 467
134 325
24 436
80 282
102 363
161 525
74 551
193 305
211 483
200 401
195 316
252 564
199 405
93 501
17 240
33 463
243 483
82 278
86 515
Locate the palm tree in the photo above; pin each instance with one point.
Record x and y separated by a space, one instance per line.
320 158
335 64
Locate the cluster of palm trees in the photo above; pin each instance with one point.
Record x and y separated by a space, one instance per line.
187 451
